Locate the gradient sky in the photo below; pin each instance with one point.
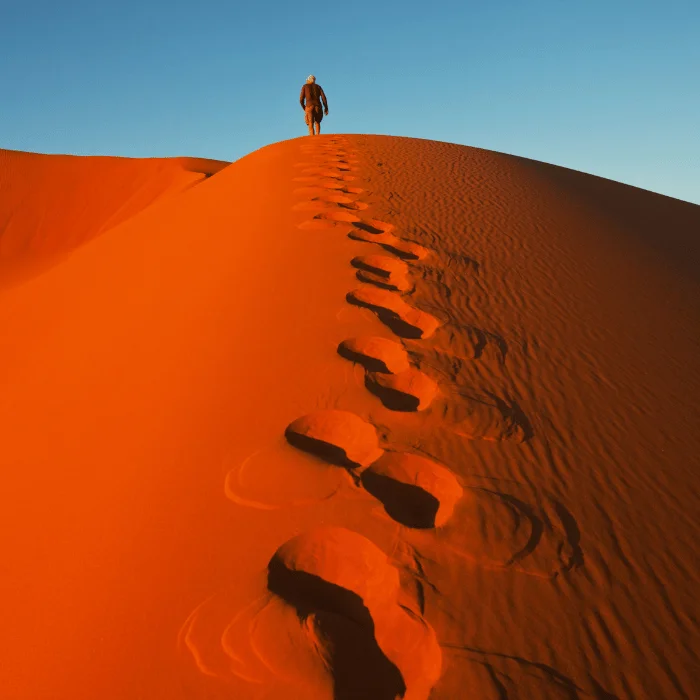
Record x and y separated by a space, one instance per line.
609 87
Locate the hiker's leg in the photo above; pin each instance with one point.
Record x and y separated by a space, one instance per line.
318 127
308 118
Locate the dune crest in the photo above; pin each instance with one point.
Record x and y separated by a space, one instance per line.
360 416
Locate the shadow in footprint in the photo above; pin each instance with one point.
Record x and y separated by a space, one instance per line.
399 327
344 632
391 398
368 228
389 318
323 450
402 286
407 504
371 364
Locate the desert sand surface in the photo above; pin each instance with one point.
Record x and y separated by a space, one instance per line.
353 417
52 204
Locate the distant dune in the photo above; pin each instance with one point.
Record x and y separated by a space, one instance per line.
356 417
52 204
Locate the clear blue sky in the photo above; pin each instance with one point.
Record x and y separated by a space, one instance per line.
610 87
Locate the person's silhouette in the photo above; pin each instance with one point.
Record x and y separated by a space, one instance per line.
310 99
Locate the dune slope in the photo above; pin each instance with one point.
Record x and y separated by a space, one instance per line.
52 204
359 417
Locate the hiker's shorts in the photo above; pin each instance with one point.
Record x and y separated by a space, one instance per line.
313 113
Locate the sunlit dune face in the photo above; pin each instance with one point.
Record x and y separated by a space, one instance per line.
353 417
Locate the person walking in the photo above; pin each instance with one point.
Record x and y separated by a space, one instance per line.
310 99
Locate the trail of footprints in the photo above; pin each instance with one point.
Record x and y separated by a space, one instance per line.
329 559
336 579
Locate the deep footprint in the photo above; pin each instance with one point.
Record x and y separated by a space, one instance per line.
327 169
324 204
404 320
411 390
383 271
415 491
330 176
402 285
338 437
344 582
404 249
329 219
375 354
381 265
325 191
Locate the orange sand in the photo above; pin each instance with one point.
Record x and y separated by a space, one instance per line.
218 483
50 205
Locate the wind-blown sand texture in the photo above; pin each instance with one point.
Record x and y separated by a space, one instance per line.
355 417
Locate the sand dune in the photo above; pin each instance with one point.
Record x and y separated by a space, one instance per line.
51 205
357 417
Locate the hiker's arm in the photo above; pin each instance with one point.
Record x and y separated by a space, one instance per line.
325 101
301 97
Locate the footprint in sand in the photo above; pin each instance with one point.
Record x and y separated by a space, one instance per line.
346 595
388 241
383 271
415 491
375 354
325 191
330 175
342 160
338 437
393 284
327 163
328 219
324 203
328 192
404 320
388 373
335 185
328 153
492 529
331 161
500 531
382 265
411 390
480 525
326 169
